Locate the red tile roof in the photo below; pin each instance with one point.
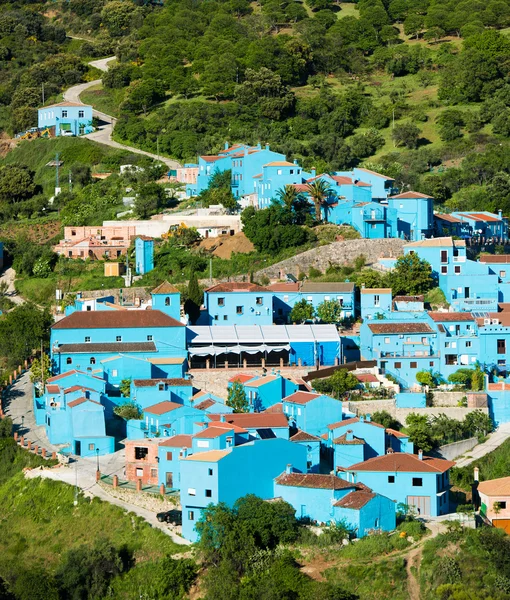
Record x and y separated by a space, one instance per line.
403 462
165 288
313 480
343 441
448 317
69 373
205 404
366 378
396 433
211 158
178 441
375 173
171 382
105 319
355 500
482 217
53 389
351 421
498 387
284 287
241 378
261 420
303 436
211 432
408 299
448 218
261 380
162 407
235 286
495 258
276 408
301 397
410 196
81 400
411 327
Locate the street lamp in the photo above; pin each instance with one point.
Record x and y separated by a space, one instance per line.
98 472
22 422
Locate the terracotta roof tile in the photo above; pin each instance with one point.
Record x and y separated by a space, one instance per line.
355 500
366 378
162 407
165 288
408 299
482 217
495 487
447 317
303 436
351 421
343 441
105 319
81 400
396 433
210 433
205 404
276 408
210 456
234 286
178 441
69 373
403 327
105 348
410 196
495 258
261 381
171 382
241 378
53 389
448 218
313 480
302 398
261 420
401 461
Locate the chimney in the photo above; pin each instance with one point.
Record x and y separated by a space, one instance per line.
295 161
477 474
420 454
226 145
267 146
361 418
500 213
313 172
288 469
246 150
389 451
349 436
222 418
368 418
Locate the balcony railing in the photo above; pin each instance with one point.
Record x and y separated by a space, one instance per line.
374 215
459 259
403 354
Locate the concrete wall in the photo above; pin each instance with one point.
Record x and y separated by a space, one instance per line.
447 398
336 253
453 451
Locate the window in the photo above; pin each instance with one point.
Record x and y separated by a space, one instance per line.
141 452
191 515
154 473
69 361
87 339
424 341
92 446
149 338
161 387
502 505
501 347
114 372
225 317
468 344
431 363
81 114
92 360
239 310
444 270
417 482
221 301
387 340
413 365
376 300
398 365
209 472
215 317
64 114
259 300
279 172
192 492
285 298
502 274
444 256
139 472
167 301
208 493
450 359
118 338
391 478
456 270
169 456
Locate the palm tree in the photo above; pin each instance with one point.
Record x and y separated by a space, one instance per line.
288 195
319 192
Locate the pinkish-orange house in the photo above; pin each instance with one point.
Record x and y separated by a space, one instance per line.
96 242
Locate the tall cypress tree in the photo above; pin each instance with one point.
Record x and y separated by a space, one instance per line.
194 301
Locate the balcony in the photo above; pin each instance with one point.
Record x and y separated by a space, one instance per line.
374 215
409 354
459 259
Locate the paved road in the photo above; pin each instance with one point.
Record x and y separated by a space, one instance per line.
495 439
9 275
103 134
81 472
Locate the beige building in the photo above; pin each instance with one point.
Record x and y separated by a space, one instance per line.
495 501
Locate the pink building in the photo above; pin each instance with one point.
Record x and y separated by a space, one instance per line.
96 242
187 174
495 501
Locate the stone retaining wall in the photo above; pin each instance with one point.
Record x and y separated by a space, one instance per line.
447 398
152 502
337 253
453 451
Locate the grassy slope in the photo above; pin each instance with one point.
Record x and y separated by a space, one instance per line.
492 465
104 100
39 522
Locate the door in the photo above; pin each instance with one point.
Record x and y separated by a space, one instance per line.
466 292
77 448
170 480
303 510
420 503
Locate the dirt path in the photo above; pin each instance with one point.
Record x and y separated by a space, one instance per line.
103 133
9 275
413 560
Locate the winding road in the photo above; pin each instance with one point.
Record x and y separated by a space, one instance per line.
103 134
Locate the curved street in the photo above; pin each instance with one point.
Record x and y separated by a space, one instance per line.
103 134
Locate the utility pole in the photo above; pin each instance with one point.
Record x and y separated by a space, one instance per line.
157 146
70 181
57 180
42 369
42 85
210 269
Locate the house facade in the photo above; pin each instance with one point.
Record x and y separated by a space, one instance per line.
66 118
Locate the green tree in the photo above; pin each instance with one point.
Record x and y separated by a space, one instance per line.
16 184
449 124
128 410
288 196
478 423
411 276
419 430
237 398
340 382
302 311
40 371
5 429
319 191
149 199
116 16
462 377
406 134
194 299
383 417
478 379
426 378
329 311
125 387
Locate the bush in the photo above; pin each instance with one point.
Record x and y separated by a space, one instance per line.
129 410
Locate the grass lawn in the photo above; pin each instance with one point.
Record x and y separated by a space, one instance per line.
348 9
103 100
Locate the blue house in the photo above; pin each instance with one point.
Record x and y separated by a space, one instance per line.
144 254
74 414
286 295
311 412
239 304
81 340
381 185
146 392
357 436
210 403
274 176
170 453
484 225
375 302
415 215
165 419
227 475
419 481
326 499
67 118
167 298
312 443
264 391
262 425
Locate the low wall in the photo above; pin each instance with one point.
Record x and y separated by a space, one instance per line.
453 451
447 398
364 407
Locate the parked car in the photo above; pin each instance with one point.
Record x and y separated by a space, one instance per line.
170 516
66 132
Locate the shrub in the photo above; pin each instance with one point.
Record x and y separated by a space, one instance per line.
129 410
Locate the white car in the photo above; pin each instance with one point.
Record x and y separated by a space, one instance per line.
66 132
